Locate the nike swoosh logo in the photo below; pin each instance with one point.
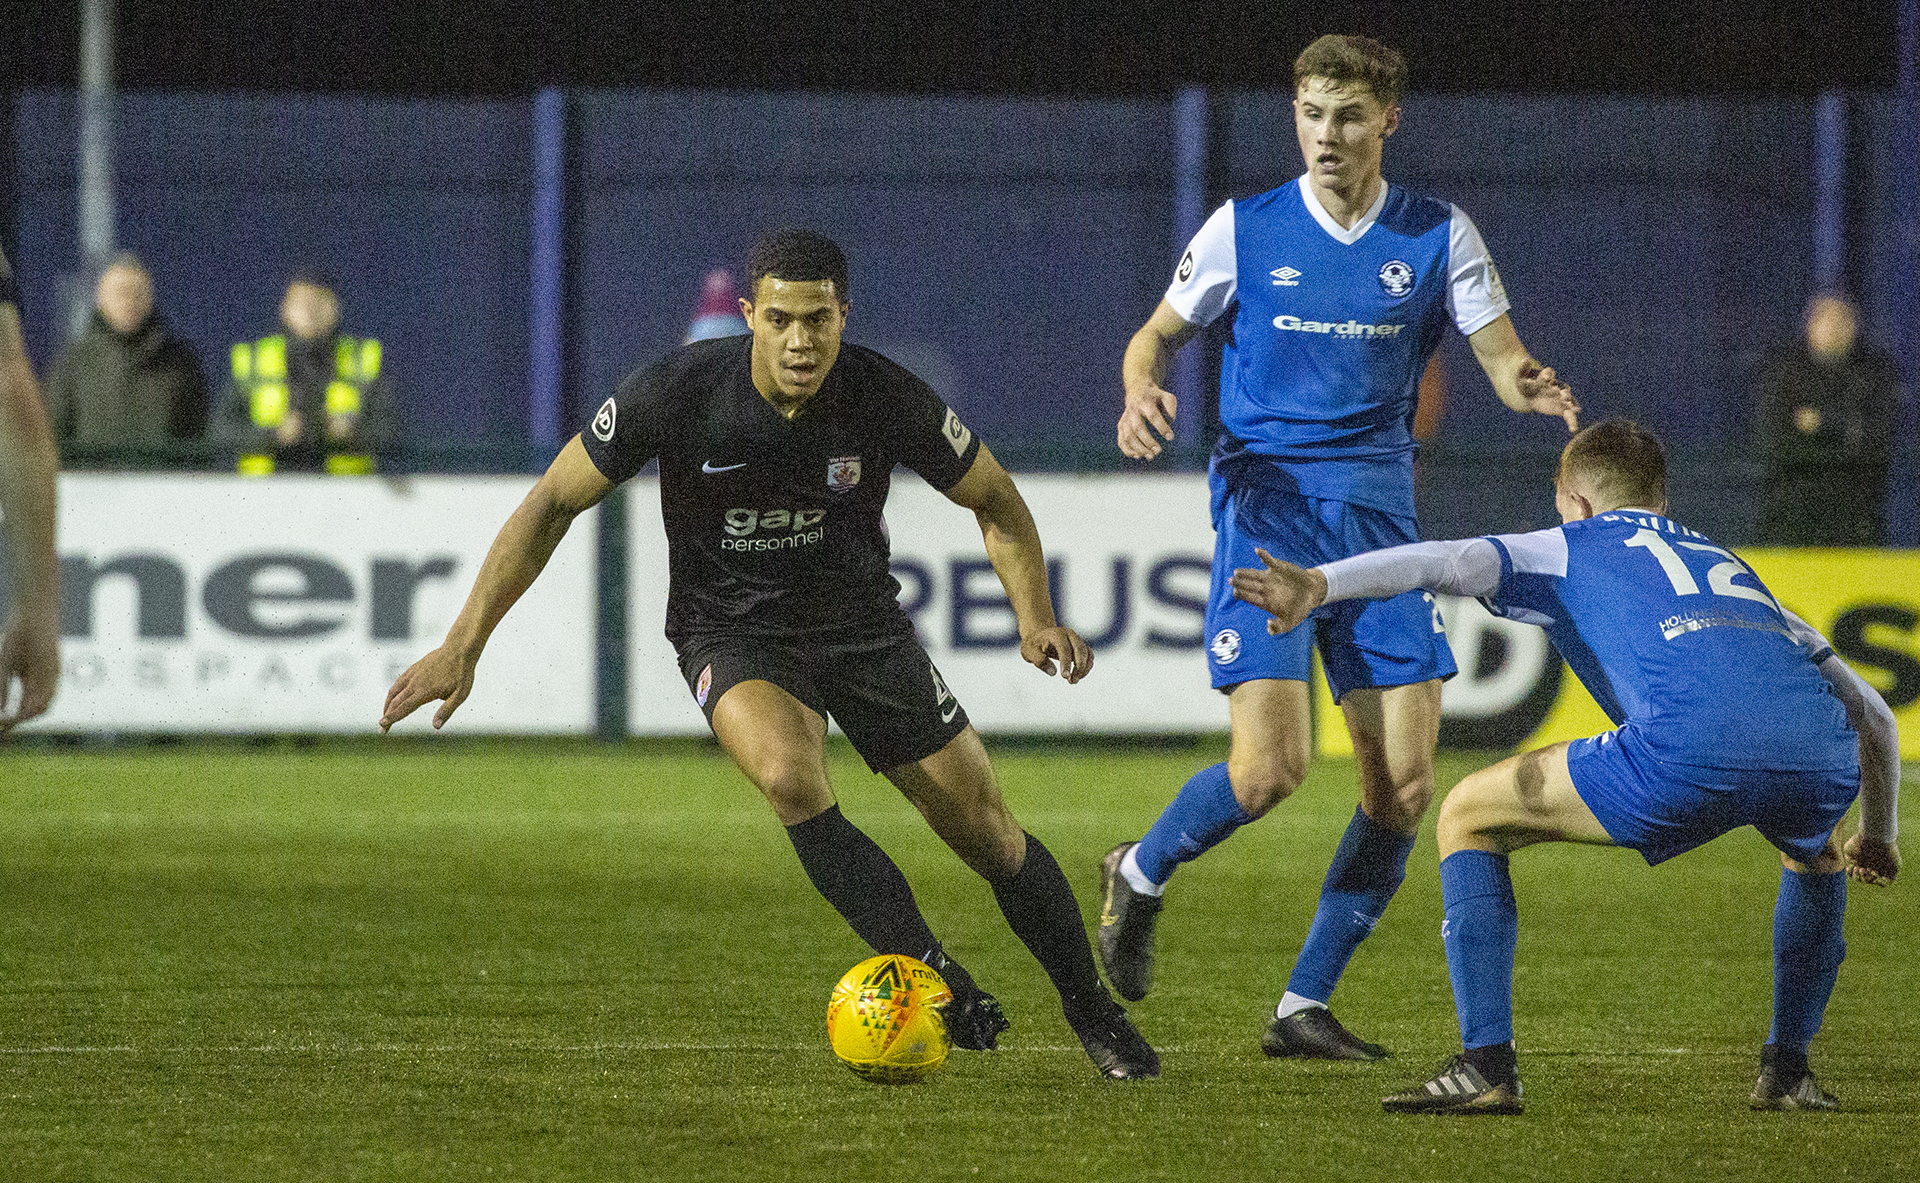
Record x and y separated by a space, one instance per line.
947 715
710 467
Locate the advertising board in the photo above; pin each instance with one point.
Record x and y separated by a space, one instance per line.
232 605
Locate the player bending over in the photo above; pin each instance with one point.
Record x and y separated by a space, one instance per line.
775 454
1730 711
1344 286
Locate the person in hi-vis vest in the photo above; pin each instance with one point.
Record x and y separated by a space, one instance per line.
309 398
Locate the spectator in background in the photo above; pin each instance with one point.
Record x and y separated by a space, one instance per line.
309 399
719 313
127 392
1826 433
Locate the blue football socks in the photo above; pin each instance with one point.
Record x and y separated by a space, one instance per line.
1808 946
1367 869
1481 928
1199 818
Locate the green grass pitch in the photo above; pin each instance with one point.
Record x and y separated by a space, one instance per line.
471 960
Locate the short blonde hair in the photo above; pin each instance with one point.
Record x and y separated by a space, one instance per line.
1620 461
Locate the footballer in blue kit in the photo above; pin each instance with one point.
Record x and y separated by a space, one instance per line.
1729 711
1341 287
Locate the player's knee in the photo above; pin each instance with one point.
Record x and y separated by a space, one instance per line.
793 789
1262 781
1829 862
993 845
1398 803
1455 828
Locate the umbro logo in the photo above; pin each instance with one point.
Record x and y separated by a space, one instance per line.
1285 277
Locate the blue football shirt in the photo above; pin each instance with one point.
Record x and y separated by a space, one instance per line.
1333 328
1675 634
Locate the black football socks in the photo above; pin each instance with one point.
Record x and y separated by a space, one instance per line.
1039 906
865 886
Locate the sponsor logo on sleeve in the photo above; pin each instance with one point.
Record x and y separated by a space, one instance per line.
603 421
1495 289
1397 278
1185 270
843 473
957 433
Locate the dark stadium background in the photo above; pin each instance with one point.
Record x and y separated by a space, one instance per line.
1080 47
1003 176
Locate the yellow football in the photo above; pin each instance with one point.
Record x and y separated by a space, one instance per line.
884 1019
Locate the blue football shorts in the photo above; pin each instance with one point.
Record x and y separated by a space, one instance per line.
1662 809
1376 643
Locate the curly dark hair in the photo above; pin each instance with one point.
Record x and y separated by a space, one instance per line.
799 255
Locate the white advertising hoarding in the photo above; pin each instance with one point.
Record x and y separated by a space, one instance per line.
232 605
1130 557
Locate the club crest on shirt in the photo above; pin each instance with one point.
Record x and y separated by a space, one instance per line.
603 422
843 473
703 684
1397 278
1225 646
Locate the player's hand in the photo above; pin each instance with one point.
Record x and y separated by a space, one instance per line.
1061 645
1149 410
29 656
445 675
1546 394
1870 860
1287 592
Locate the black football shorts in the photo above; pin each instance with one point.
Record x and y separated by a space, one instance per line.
880 686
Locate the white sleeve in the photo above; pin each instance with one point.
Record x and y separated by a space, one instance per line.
1208 275
1475 295
1470 567
1873 720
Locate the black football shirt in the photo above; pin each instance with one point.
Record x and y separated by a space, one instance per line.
774 525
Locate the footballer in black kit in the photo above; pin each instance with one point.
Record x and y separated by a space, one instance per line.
776 450
777 551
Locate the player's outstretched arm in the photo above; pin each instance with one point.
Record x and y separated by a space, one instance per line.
30 646
1150 406
1522 383
519 553
1013 547
1466 567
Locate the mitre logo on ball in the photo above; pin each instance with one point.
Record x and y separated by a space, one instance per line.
884 1019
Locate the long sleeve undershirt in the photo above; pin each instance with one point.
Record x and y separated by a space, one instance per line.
1469 567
